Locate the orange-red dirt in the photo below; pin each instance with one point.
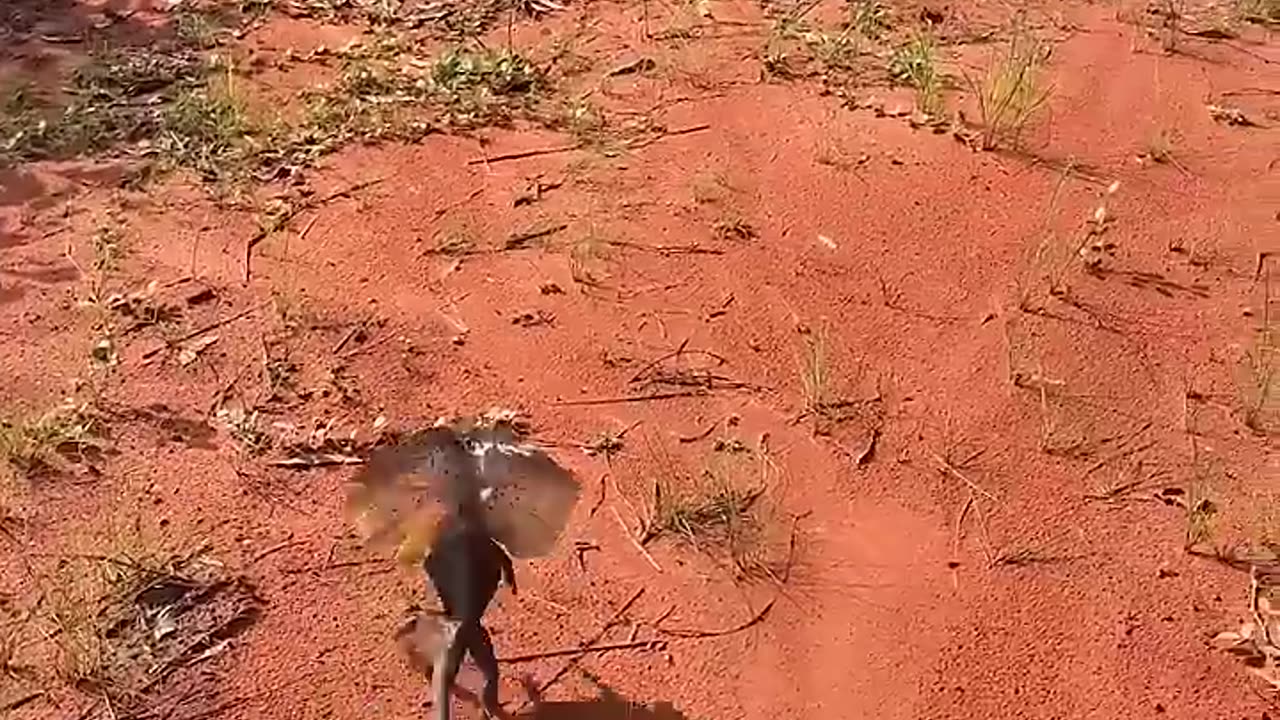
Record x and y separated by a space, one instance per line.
995 589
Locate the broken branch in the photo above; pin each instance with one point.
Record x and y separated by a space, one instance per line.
524 154
699 634
629 398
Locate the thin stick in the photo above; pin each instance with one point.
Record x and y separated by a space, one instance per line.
589 650
629 398
517 241
632 538
951 469
636 145
19 702
524 154
700 436
955 537
560 609
604 484
365 347
640 520
660 359
317 460
700 634
348 336
222 393
986 537
338 566
195 249
275 549
307 228
453 206
170 344
1118 455
955 542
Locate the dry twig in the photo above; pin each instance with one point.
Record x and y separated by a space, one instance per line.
573 661
280 222
699 634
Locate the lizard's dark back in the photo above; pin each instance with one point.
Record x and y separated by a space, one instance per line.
465 566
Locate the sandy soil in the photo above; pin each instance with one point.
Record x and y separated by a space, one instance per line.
996 524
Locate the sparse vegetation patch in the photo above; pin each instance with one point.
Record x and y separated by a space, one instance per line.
484 86
718 512
1012 91
916 64
67 431
127 620
1259 381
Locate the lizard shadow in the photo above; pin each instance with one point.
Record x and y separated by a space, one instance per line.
609 705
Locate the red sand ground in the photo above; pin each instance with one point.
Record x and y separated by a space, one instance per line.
895 608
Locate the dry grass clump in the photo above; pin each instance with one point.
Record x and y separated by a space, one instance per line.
69 430
728 510
1012 90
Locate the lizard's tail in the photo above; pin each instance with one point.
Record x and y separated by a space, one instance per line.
439 680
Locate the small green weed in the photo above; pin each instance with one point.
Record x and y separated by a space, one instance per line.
197 28
869 18
586 258
1011 93
782 56
717 513
815 373
21 125
793 45
31 445
1258 378
160 100
480 87
245 428
369 102
1262 12
834 51
108 248
916 64
586 123
715 506
205 130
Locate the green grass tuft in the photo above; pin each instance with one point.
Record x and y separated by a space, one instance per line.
916 64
